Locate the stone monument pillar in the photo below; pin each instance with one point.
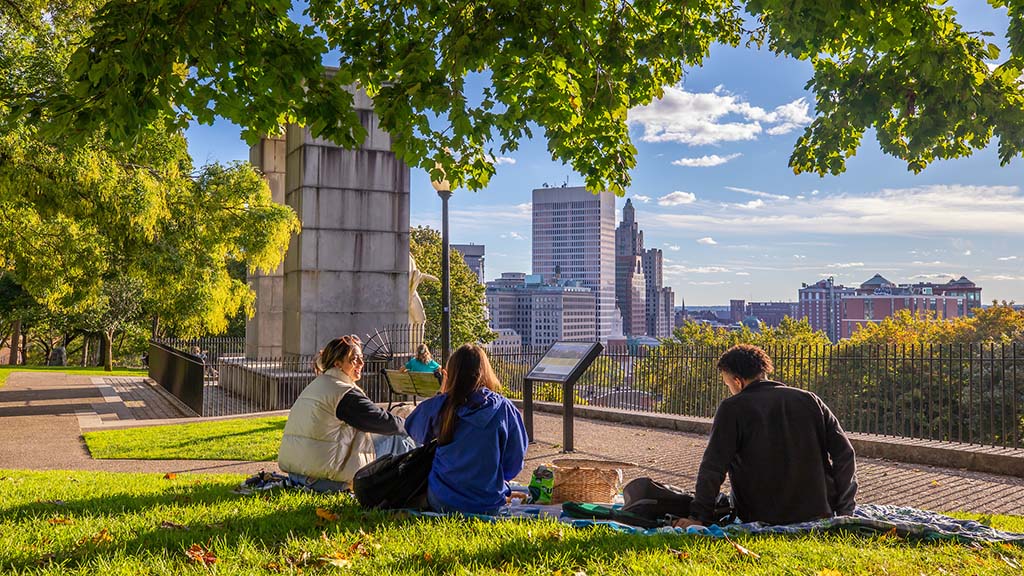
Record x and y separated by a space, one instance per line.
347 272
264 330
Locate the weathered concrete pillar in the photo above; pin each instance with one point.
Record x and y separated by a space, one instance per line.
348 271
263 332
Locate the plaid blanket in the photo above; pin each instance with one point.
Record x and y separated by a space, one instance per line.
908 523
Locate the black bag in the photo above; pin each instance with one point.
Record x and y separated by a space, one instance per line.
391 481
655 501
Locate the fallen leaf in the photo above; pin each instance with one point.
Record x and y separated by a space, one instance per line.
273 567
170 476
935 482
427 557
201 555
173 525
743 551
326 514
679 554
101 537
335 559
829 572
61 520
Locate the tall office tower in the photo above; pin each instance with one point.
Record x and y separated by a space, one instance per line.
630 284
473 255
652 259
575 230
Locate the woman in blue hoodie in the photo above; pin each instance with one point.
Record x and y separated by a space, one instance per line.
481 439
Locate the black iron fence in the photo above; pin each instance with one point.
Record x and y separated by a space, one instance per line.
972 393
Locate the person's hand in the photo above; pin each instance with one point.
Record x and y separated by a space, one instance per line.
403 369
685 523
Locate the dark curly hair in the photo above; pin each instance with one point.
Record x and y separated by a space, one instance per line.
746 361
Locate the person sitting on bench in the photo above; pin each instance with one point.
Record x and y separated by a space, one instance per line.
481 438
422 362
333 429
787 457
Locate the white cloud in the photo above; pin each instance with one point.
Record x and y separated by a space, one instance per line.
642 198
967 252
815 192
1001 277
743 273
932 263
525 208
672 247
706 161
919 211
752 205
799 256
846 265
515 236
708 283
677 198
708 240
936 277
758 193
499 160
700 118
1006 258
681 269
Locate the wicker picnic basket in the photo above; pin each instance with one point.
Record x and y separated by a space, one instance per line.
579 480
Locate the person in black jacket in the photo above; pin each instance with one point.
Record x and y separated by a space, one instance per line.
787 456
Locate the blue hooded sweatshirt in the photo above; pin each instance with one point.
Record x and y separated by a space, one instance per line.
471 473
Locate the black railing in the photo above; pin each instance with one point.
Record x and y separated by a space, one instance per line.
971 393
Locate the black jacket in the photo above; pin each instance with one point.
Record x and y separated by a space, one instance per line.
787 457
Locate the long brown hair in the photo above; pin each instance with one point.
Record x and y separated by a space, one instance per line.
468 370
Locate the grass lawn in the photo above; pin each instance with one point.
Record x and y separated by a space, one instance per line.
240 439
111 524
6 371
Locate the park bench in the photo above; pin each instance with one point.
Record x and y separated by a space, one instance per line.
422 384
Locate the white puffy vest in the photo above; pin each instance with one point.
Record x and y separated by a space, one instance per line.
315 442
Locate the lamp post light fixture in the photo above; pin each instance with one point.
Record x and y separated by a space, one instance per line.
444 190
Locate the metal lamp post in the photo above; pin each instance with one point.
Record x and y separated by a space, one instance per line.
444 190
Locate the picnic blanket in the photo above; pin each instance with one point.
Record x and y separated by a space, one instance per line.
908 523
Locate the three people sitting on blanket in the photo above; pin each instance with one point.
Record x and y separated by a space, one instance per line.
787 456
333 429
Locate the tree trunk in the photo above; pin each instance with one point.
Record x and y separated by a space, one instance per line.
108 351
24 348
156 327
104 347
15 340
85 349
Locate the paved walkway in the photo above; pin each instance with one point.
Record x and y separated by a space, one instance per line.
41 415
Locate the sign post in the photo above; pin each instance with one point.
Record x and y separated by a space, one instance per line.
563 363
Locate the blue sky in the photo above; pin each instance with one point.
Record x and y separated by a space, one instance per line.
713 190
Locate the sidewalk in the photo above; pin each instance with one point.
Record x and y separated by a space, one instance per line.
41 415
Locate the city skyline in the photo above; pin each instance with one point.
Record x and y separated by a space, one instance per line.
714 192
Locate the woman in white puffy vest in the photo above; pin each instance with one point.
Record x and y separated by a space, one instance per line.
333 429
